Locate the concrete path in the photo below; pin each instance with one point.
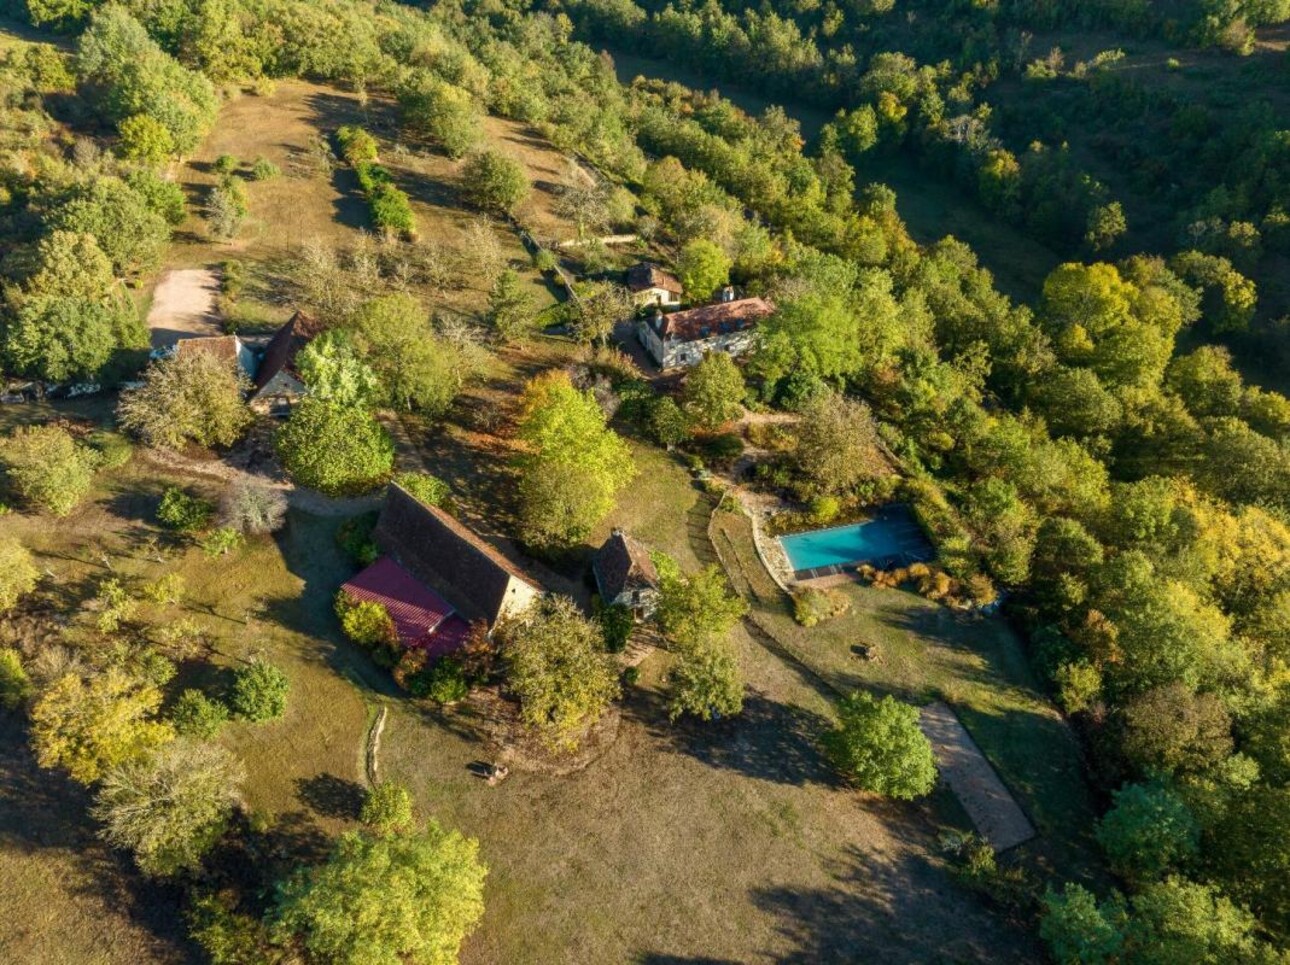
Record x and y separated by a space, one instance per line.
993 810
184 305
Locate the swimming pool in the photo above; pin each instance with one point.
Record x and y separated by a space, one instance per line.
889 537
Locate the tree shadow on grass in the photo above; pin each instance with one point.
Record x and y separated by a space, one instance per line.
43 811
330 796
897 908
769 740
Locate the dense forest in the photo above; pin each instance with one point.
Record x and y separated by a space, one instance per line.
1096 457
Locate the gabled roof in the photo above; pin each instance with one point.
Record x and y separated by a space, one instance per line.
280 354
623 564
646 275
716 319
441 552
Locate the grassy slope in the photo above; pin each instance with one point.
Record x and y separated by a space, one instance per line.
977 665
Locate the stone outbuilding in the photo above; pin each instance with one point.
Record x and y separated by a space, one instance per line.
278 385
625 574
651 285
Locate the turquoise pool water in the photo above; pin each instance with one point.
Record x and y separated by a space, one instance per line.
890 536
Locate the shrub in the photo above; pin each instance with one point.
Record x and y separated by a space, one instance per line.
366 622
264 170
630 676
879 746
544 261
253 508
354 537
48 468
226 164
199 716
113 449
391 210
429 489
493 181
825 509
356 145
184 513
259 692
221 542
388 808
445 682
166 589
616 622
812 606
18 574
15 686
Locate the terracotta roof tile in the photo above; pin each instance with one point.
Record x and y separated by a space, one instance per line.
709 320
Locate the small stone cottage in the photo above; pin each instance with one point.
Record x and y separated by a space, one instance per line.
651 285
625 574
278 385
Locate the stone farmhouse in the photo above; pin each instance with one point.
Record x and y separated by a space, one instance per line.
437 577
681 339
226 348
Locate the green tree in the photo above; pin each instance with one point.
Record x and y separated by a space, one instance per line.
366 622
601 306
695 607
573 464
493 181
145 139
387 899
837 446
130 233
259 691
335 450
388 808
1078 931
126 73
696 613
714 391
226 208
419 370
170 808
703 268
193 397
510 307
667 424
1171 729
879 746
1183 921
1148 831
49 469
89 726
198 716
443 113
704 680
557 665
335 372
18 573
58 339
164 197
1106 223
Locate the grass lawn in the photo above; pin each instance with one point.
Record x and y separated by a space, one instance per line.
973 663
730 841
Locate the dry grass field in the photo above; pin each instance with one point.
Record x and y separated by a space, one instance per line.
308 203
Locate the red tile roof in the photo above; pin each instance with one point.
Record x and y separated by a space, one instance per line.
449 637
710 320
418 612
